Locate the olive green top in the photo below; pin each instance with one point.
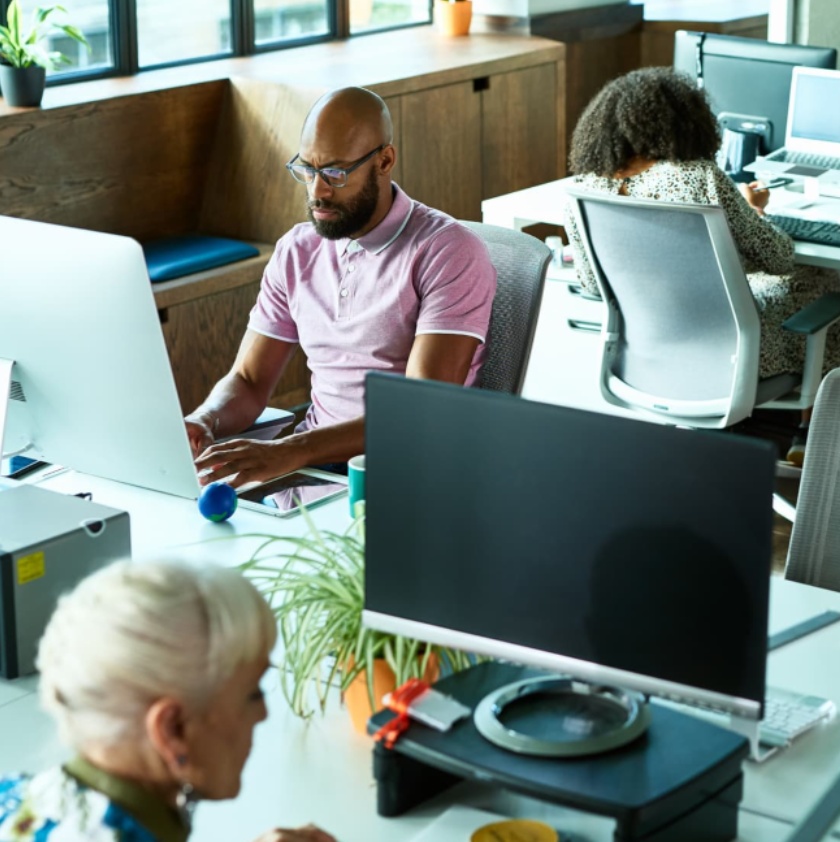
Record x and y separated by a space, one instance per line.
161 820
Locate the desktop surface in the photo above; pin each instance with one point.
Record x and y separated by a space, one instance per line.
542 203
321 770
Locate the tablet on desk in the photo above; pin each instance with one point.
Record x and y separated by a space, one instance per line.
286 495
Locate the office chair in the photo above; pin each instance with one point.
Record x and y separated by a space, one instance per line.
521 263
680 342
814 548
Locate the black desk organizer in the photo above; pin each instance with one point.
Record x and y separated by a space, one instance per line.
680 782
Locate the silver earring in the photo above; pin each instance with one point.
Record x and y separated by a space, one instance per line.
185 803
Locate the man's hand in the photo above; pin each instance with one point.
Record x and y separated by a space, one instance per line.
199 433
240 461
310 833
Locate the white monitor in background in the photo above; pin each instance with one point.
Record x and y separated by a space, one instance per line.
91 383
810 122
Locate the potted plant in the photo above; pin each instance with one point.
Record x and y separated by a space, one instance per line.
315 586
453 17
24 61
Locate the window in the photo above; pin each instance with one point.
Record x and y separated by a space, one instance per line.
371 15
127 36
276 21
170 32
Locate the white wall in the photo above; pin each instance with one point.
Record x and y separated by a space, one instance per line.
817 22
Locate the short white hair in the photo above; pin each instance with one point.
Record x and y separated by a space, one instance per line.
134 632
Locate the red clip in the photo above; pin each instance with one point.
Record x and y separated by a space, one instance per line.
399 702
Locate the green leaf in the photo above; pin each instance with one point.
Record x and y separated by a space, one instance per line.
315 585
23 47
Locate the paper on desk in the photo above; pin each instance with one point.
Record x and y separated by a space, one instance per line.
795 203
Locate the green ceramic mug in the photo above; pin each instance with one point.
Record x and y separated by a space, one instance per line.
356 484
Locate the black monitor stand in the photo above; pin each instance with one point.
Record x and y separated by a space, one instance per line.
681 781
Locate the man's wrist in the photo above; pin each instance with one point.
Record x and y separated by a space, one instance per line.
207 419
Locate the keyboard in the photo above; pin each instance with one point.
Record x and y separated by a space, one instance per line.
788 715
808 230
806 159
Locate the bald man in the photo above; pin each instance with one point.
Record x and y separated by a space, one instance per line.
374 281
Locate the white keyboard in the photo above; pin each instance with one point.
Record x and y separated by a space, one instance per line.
806 159
787 715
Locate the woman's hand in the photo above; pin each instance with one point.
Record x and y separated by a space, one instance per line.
756 194
310 833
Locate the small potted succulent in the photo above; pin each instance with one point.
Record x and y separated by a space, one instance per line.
24 59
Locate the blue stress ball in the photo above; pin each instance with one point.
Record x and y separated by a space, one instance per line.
218 501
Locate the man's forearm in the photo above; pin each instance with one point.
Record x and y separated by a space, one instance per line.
231 407
336 443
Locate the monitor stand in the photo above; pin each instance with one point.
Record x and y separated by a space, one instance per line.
681 781
561 717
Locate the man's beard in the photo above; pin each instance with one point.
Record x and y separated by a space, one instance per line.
352 216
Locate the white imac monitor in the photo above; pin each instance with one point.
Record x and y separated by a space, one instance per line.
83 359
616 551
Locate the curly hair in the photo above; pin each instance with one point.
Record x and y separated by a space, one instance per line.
653 113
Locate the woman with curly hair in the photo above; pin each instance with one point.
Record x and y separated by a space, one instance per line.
651 134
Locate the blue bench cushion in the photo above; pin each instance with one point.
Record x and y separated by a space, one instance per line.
174 257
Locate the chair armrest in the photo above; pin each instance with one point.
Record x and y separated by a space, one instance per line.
815 316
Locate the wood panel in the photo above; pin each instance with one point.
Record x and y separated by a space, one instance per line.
134 165
249 194
598 44
203 336
519 130
587 67
441 148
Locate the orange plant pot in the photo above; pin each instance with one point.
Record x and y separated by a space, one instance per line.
356 695
453 18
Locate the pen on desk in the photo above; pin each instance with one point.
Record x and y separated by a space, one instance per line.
776 182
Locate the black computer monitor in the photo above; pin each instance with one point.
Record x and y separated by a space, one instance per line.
748 80
620 552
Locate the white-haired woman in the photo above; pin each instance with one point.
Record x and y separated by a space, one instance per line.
152 671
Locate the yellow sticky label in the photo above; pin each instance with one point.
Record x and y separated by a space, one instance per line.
30 567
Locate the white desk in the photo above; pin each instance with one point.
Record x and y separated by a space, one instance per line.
321 771
542 204
564 364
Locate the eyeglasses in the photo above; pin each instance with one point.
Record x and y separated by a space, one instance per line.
332 176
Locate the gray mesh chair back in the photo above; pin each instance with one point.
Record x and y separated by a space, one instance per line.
681 338
814 548
521 263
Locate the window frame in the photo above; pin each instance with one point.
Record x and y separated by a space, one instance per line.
122 15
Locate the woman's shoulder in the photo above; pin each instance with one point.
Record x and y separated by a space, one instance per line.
54 805
590 181
679 181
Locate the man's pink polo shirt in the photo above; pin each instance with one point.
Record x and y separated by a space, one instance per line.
356 305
